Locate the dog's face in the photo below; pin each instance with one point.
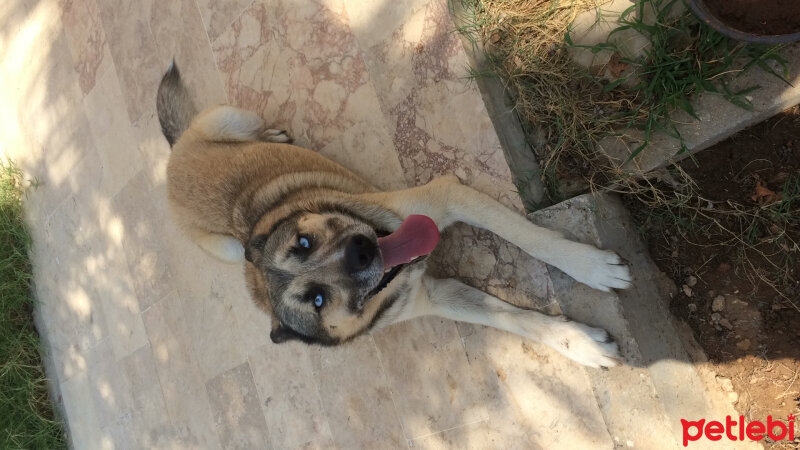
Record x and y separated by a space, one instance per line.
323 274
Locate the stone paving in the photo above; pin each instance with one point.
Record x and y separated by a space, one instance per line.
153 344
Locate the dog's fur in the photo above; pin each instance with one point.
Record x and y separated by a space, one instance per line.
244 195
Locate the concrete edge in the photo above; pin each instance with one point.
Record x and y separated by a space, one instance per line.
652 341
683 391
525 171
626 395
717 120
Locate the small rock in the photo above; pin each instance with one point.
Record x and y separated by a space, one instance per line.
674 254
692 307
687 290
717 327
712 294
743 345
726 323
715 317
691 281
733 397
718 304
725 383
629 443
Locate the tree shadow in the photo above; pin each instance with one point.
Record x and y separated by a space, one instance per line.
134 315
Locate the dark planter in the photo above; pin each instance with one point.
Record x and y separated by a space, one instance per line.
704 13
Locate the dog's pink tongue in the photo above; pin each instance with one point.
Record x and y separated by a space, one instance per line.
417 236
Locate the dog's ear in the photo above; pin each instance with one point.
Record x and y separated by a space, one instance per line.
254 250
258 288
281 333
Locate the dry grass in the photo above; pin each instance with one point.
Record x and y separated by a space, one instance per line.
570 108
566 108
765 235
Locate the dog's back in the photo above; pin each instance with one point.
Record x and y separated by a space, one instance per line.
224 161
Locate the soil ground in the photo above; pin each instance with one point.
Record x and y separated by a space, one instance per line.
751 335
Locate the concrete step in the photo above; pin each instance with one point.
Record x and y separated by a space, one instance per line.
644 400
521 158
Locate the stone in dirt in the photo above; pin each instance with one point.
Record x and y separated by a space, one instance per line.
718 304
743 345
725 383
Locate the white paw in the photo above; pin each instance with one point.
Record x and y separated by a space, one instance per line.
600 269
279 136
592 347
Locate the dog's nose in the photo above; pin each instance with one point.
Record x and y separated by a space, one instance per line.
359 253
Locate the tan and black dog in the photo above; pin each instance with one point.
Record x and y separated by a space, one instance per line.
329 257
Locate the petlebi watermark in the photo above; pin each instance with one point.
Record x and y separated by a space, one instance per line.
738 430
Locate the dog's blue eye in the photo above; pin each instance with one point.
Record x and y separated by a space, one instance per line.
319 300
304 242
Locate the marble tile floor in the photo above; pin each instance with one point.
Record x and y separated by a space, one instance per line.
156 345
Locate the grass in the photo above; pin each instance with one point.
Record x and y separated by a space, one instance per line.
764 236
686 58
27 420
559 101
568 109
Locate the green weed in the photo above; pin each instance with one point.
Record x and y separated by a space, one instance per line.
27 420
686 58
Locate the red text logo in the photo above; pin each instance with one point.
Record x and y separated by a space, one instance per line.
734 430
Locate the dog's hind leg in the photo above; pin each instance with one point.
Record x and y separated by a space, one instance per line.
231 124
454 300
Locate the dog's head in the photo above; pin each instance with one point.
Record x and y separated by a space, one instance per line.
328 276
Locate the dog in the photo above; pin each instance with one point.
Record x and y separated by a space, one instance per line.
331 258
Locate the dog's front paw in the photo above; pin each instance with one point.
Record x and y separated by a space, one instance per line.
600 269
278 136
592 347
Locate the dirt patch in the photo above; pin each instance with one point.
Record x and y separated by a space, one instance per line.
762 17
750 333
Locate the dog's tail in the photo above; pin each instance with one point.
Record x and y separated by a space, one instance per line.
174 105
